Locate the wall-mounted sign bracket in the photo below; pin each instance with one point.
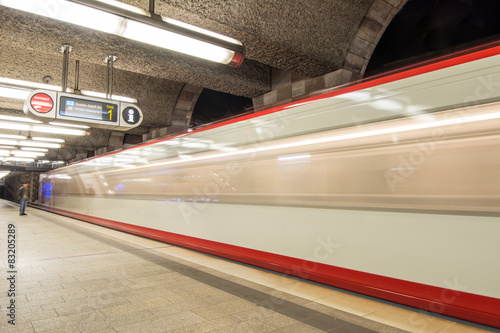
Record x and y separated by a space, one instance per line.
109 60
65 49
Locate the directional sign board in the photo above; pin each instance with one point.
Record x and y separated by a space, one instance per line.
46 105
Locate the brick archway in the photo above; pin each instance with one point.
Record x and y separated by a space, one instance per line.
183 110
181 116
371 29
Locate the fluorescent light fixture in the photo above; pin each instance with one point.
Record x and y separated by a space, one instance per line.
8 136
108 18
21 153
14 93
200 30
7 147
125 6
56 130
19 159
57 162
8 142
19 119
14 126
48 139
26 85
57 123
113 97
4 152
29 143
40 128
20 89
35 149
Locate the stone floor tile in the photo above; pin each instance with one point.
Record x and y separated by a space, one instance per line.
224 309
129 308
67 322
209 326
298 328
162 324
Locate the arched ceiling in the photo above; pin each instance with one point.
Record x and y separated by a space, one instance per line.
307 38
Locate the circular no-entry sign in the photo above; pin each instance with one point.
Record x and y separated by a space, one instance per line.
42 103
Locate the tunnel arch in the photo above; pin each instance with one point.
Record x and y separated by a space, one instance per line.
371 29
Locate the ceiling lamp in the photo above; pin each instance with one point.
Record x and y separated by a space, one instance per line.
21 153
45 150
48 139
8 136
11 125
19 159
15 93
107 16
20 119
39 144
20 89
30 143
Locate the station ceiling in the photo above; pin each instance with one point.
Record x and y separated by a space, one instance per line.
307 38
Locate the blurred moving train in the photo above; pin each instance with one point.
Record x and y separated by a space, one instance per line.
389 187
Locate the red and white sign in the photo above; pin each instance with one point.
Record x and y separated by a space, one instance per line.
42 103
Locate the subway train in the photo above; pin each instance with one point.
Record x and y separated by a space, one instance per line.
388 187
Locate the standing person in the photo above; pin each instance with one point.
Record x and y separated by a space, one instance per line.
23 196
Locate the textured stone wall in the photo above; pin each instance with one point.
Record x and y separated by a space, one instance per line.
14 181
371 28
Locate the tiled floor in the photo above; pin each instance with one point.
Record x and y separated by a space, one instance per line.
73 276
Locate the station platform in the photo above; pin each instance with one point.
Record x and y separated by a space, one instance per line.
71 276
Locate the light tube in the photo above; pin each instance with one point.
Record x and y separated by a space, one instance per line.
14 93
48 139
106 18
20 89
41 128
56 123
57 130
113 97
29 143
19 159
165 39
21 84
27 153
20 119
8 142
8 136
201 30
35 149
14 126
125 6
